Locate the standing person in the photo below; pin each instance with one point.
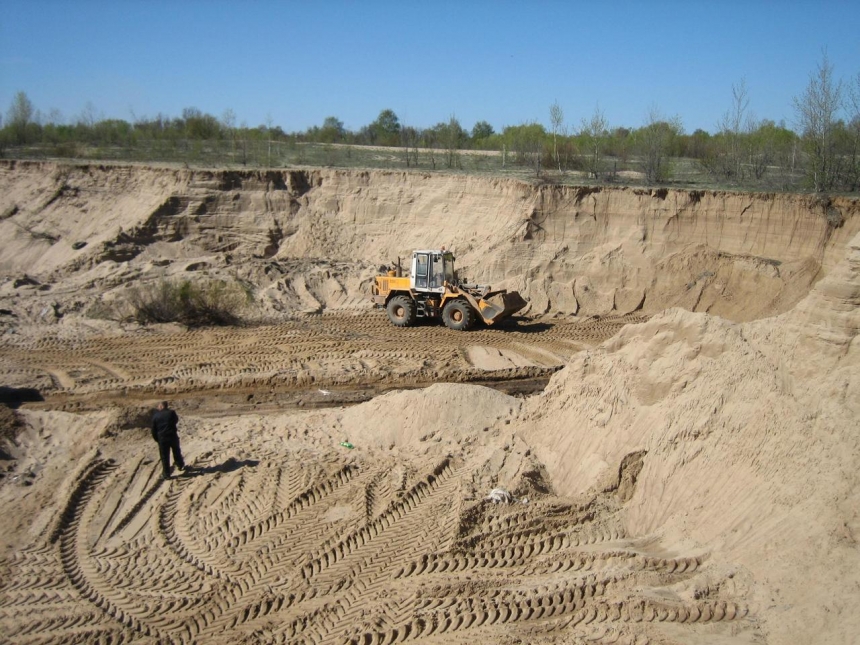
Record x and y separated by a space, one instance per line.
165 433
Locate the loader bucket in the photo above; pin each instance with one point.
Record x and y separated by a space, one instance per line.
498 305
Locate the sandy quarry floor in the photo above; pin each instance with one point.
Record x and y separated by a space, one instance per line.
279 534
349 356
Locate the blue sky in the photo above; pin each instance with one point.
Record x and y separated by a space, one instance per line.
504 62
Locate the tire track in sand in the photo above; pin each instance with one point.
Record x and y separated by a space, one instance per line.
284 551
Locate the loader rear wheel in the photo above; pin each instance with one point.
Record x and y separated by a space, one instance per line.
401 311
458 315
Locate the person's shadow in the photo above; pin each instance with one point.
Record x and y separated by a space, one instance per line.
13 397
228 466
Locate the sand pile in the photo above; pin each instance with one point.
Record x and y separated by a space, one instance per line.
748 438
441 413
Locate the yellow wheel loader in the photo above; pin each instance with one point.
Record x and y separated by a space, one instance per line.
433 290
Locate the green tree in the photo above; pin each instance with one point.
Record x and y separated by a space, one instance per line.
696 144
526 141
481 131
451 136
768 145
654 142
386 129
199 125
619 142
111 132
332 130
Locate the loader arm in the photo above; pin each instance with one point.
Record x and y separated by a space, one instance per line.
495 306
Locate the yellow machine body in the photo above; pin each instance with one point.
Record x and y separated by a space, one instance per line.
433 290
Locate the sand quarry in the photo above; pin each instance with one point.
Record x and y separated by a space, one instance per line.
675 415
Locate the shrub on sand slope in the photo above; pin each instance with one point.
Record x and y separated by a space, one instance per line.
203 304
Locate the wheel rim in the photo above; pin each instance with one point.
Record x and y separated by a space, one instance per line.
399 312
457 315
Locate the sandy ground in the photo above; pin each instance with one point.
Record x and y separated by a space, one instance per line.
674 475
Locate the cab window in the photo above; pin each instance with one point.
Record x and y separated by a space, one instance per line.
422 270
437 272
449 269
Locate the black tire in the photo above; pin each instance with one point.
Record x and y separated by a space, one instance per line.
401 311
458 315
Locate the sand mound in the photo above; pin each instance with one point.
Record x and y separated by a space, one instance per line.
441 413
748 448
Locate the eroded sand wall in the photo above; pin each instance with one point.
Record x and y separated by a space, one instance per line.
573 250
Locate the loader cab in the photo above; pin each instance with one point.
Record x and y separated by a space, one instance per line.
431 269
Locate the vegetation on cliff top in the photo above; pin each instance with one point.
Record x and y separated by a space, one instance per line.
821 154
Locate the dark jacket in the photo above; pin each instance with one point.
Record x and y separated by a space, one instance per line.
164 424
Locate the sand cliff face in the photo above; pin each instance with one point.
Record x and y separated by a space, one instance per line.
313 239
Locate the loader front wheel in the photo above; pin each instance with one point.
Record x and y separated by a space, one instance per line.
458 315
401 311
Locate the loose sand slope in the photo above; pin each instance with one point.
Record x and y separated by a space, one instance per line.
748 435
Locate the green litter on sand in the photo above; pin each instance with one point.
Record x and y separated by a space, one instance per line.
347 444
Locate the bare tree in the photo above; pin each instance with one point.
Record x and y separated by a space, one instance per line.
228 119
816 111
453 135
731 128
556 117
430 141
228 122
594 133
853 108
20 115
409 138
269 123
89 115
244 129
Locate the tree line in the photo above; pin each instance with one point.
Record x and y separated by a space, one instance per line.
821 153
